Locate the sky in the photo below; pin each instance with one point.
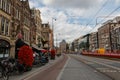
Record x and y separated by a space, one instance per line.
72 19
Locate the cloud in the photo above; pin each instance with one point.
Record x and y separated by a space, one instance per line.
67 31
70 15
117 1
83 4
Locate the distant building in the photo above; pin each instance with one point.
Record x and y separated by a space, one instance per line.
115 35
46 31
63 46
76 45
104 36
93 41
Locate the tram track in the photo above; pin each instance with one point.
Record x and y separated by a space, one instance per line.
106 69
109 58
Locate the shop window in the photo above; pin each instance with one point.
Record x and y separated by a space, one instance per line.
4 49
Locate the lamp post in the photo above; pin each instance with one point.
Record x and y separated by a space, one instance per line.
53 31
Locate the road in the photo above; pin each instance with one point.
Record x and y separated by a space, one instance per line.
77 67
106 67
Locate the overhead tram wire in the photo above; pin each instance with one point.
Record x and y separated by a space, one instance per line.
96 14
105 18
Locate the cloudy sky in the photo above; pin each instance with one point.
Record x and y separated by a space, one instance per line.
75 18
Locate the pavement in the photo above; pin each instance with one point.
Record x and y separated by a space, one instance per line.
35 70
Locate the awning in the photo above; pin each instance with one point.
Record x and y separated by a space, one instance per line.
35 48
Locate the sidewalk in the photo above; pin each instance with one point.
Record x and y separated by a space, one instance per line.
35 70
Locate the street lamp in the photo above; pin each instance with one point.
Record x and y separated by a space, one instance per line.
53 31
57 35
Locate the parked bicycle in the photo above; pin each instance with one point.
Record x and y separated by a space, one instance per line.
4 69
15 66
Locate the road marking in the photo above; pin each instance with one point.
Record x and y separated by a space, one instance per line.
60 74
108 65
101 64
89 62
106 70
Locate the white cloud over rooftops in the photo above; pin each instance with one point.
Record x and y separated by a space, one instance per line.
68 13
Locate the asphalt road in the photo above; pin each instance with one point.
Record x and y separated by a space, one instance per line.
75 67
110 68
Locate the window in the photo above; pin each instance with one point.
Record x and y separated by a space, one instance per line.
17 13
6 27
0 4
9 8
3 5
2 24
19 16
4 48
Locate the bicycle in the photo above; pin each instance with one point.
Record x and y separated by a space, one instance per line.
4 70
15 66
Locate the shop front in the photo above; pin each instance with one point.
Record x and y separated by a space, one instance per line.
4 49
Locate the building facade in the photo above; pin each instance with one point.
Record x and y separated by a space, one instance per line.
115 35
45 35
5 27
17 22
63 46
36 29
104 35
93 41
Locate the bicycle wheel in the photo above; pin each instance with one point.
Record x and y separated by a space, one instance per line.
5 75
0 72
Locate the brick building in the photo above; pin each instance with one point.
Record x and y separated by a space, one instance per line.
63 46
36 28
93 41
104 36
46 35
16 21
115 35
5 27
